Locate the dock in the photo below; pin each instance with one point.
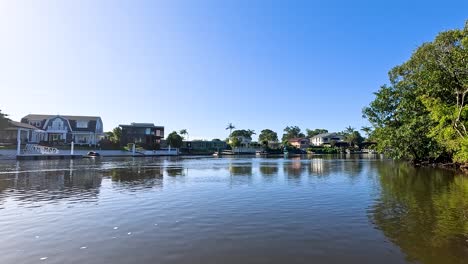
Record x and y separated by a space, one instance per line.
47 156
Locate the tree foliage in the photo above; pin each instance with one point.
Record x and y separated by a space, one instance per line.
174 140
3 120
352 136
115 135
311 133
423 113
268 135
243 133
184 133
292 132
234 142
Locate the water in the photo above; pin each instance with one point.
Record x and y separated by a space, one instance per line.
246 210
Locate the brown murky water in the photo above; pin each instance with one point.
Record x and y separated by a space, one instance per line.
244 210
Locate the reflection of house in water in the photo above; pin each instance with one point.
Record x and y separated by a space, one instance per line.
294 168
42 186
242 169
175 171
269 168
135 177
317 166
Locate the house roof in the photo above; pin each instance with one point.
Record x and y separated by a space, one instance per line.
296 139
70 117
326 135
141 125
14 124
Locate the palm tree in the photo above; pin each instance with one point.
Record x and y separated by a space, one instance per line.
230 127
367 130
184 132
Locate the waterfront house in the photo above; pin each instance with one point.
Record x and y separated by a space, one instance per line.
27 133
146 135
326 139
63 129
204 145
300 143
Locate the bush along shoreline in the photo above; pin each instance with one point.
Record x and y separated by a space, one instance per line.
422 114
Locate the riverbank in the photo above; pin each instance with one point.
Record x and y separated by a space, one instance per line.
10 154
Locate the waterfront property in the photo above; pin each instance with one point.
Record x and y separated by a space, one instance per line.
146 135
26 132
204 145
326 139
64 129
300 143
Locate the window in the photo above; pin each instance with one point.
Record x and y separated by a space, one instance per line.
57 124
82 124
158 133
148 131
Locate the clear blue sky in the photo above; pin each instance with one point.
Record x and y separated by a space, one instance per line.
201 64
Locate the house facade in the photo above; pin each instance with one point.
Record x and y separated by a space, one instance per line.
64 129
300 143
326 138
146 135
26 132
204 145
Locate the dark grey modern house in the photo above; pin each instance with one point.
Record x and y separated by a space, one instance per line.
146 135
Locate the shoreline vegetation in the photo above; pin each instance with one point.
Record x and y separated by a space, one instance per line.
422 115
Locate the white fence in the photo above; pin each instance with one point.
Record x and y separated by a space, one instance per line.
37 149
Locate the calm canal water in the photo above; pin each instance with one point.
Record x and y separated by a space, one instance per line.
240 210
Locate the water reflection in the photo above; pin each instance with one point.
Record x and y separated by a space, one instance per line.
268 168
424 212
240 168
32 186
295 168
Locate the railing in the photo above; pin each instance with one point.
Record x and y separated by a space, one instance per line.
34 148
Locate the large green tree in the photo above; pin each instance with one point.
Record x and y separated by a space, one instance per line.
423 113
291 132
174 140
267 135
243 133
3 120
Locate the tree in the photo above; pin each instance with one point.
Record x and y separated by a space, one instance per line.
174 140
3 120
352 136
311 133
230 127
234 142
367 130
117 134
267 135
243 133
184 133
291 132
423 114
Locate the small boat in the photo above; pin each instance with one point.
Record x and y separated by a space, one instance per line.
92 154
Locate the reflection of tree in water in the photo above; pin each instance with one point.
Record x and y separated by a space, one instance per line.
268 168
175 171
40 186
241 169
424 212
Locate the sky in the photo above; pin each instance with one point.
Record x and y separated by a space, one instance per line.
199 65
